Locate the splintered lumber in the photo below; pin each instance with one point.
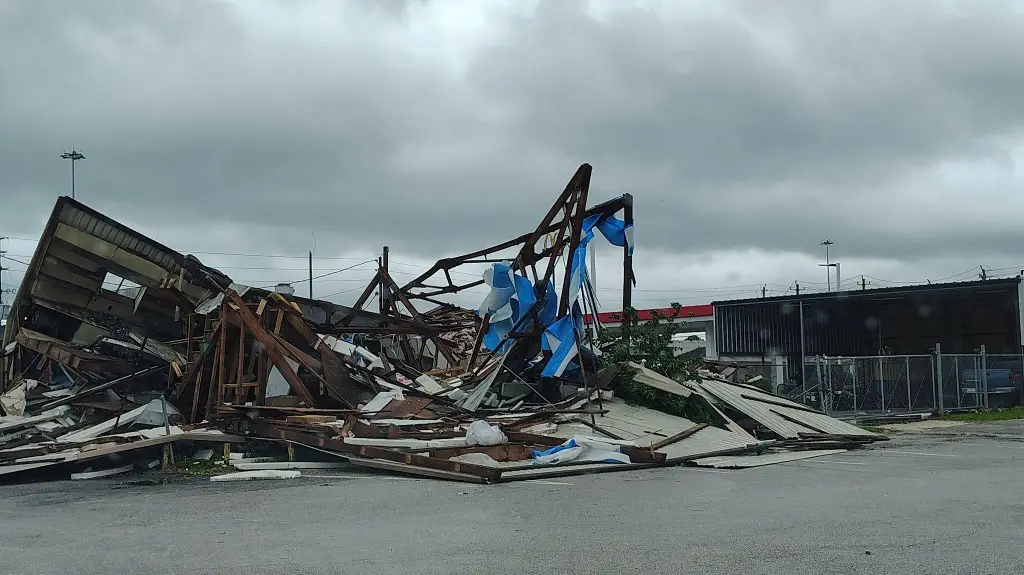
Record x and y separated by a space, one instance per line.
336 378
272 347
313 419
488 474
678 437
416 470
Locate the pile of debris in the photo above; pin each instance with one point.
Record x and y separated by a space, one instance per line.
96 379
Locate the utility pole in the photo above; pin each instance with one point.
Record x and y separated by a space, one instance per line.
764 289
3 290
74 155
384 305
828 264
2 269
310 274
797 284
863 283
982 275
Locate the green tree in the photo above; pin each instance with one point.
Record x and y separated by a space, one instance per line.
649 344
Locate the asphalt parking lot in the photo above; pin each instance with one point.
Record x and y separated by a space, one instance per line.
943 503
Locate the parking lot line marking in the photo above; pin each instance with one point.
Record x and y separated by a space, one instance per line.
703 470
833 461
918 453
545 482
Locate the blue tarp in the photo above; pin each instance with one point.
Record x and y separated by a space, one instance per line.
512 295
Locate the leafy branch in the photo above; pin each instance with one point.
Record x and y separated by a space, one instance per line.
649 343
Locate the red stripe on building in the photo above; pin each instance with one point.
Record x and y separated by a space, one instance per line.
647 314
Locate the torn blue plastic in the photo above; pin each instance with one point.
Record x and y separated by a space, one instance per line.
613 229
550 311
552 450
512 295
509 300
559 338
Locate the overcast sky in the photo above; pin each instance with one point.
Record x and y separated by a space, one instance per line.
747 132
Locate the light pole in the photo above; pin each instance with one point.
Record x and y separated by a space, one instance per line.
828 264
74 155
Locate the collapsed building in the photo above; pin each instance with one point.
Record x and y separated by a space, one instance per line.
116 345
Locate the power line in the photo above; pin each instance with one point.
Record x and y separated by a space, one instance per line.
14 260
239 254
303 280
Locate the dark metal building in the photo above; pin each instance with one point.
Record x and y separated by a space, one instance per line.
903 320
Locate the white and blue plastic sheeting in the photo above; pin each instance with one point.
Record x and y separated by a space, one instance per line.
510 298
580 449
513 295
559 339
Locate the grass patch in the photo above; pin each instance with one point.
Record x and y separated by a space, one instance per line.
875 429
995 415
197 467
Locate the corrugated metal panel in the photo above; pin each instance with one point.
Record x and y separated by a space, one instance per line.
761 412
745 461
121 237
654 379
823 422
847 323
644 426
708 440
800 413
640 425
787 422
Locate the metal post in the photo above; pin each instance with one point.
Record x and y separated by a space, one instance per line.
854 370
310 274
984 376
881 381
939 400
956 379
821 387
910 399
803 357
627 266
163 407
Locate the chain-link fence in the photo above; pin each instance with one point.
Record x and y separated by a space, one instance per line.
981 381
873 384
909 383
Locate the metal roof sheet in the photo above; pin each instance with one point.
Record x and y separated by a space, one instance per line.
707 441
759 411
787 422
745 461
651 378
644 426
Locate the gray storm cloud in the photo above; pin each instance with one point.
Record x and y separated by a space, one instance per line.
439 127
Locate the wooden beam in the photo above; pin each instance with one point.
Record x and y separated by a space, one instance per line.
272 347
302 357
490 474
438 344
197 366
678 437
339 385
